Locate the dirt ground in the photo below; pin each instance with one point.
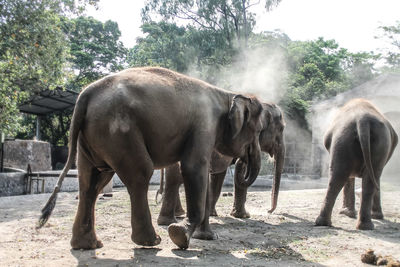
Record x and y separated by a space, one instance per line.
287 237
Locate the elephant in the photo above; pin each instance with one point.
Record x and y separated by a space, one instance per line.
271 141
360 142
147 118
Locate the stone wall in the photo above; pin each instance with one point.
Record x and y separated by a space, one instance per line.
20 153
15 183
12 183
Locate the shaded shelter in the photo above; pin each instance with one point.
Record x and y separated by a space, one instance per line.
48 102
43 103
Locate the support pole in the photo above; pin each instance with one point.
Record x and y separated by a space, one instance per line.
38 137
2 152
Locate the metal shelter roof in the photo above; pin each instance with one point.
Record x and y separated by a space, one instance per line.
49 101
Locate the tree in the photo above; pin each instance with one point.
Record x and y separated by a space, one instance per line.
95 49
392 34
233 18
180 48
33 52
164 45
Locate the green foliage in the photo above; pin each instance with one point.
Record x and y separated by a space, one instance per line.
165 46
231 18
181 48
392 56
95 49
32 54
41 49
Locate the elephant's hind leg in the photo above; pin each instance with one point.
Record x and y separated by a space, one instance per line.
367 196
338 177
348 207
376 206
135 173
91 182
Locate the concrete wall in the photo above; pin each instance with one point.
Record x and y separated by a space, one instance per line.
20 153
12 183
16 183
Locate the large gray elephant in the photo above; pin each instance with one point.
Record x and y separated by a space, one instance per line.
142 119
360 142
271 141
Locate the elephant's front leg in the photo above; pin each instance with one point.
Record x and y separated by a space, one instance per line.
203 231
173 179
239 210
348 207
194 169
216 182
179 211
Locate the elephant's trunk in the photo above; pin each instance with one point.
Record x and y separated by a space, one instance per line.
248 168
279 156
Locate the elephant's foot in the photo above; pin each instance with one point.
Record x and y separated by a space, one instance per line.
85 241
165 220
365 225
240 213
204 234
143 239
179 234
349 212
377 215
323 221
213 212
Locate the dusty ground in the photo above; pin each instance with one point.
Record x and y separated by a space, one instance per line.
285 238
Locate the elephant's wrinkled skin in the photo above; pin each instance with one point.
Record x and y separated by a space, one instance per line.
142 119
271 141
360 142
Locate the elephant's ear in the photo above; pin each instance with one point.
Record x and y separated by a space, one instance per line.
267 116
239 114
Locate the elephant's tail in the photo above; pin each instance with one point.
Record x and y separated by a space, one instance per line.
76 123
364 135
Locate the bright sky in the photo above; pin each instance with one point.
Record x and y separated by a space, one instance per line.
352 23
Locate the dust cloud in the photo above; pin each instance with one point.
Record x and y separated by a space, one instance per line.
260 71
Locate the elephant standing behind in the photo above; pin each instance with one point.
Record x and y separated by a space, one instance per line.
360 142
142 119
271 141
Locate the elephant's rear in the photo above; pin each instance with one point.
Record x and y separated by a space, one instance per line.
360 138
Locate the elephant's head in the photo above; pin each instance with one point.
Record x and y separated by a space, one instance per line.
241 135
271 142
